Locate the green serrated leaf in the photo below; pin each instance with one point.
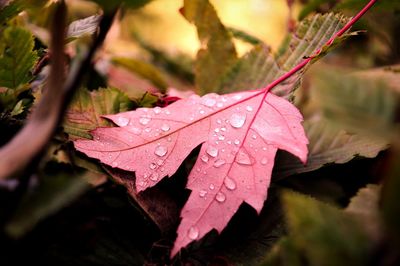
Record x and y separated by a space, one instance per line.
244 36
10 10
364 102
143 69
311 34
18 57
55 191
148 100
86 109
259 67
218 53
328 144
323 234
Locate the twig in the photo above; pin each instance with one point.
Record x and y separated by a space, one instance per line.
31 141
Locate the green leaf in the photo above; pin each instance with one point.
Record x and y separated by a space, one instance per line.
323 234
259 67
364 102
82 27
311 35
328 144
86 109
10 10
218 53
244 36
18 57
148 100
143 69
56 189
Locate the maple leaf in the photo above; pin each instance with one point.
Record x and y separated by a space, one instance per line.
240 134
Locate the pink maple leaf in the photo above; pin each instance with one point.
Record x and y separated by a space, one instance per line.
240 134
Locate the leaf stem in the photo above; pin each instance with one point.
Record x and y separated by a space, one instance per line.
305 62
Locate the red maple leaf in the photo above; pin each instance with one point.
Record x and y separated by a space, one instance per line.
240 134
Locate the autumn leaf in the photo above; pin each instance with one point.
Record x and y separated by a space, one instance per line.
240 134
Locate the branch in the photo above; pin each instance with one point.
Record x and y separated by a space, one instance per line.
34 136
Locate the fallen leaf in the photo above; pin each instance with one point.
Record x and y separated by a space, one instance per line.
240 134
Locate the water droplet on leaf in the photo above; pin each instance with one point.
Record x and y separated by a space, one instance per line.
204 158
220 197
243 158
212 151
202 193
219 163
123 121
144 120
154 177
237 120
193 233
165 127
161 150
229 183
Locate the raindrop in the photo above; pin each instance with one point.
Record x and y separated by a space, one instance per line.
254 136
167 112
201 111
264 148
165 127
169 139
216 130
154 177
202 193
144 120
237 142
264 161
114 164
237 97
220 197
161 150
147 129
212 186
249 108
219 163
204 158
223 129
153 166
229 142
237 120
219 121
243 158
193 233
160 162
123 121
219 105
213 152
135 130
221 137
157 110
229 183
210 102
